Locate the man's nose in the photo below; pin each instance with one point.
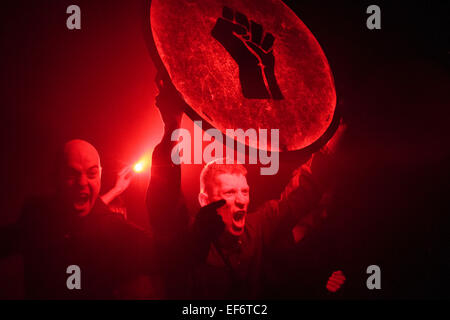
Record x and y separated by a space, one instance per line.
240 200
83 180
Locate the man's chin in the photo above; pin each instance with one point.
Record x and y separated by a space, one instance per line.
237 228
236 233
81 210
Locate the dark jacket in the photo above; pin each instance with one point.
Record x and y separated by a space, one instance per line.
107 249
233 268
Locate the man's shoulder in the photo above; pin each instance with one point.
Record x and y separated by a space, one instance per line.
112 220
256 216
37 219
261 217
101 213
38 205
262 210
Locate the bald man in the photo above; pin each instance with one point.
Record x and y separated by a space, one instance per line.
79 177
75 230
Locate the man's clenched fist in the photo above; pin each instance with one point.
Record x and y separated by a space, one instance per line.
335 281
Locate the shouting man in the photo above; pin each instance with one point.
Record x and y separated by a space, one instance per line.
224 248
75 230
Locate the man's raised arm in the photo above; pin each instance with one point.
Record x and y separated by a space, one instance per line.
308 192
165 204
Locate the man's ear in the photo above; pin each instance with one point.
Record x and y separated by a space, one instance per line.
203 199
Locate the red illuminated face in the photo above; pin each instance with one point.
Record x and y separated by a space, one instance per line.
233 188
81 176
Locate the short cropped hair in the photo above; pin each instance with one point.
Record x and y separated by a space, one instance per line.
217 167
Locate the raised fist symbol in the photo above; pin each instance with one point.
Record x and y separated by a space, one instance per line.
252 52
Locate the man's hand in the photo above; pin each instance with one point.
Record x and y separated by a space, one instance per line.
169 102
123 179
207 227
335 281
208 224
332 145
122 182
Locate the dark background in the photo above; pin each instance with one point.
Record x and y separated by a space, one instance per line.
392 87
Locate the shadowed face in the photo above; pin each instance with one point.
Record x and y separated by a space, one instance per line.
233 188
80 177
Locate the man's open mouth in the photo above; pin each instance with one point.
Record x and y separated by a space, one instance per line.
239 219
239 215
81 199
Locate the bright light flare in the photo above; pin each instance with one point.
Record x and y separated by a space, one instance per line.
138 167
141 165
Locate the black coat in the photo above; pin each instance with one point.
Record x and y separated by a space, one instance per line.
107 249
